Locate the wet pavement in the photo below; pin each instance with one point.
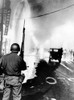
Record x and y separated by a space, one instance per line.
59 91
62 90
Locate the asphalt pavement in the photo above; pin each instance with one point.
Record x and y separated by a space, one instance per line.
62 90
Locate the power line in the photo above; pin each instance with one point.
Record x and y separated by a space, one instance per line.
49 13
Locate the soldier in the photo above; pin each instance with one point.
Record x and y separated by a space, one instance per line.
12 64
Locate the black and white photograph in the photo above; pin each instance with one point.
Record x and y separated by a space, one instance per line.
36 49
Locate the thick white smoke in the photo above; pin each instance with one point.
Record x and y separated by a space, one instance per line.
21 13
53 30
39 30
56 27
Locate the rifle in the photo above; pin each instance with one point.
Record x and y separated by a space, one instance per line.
22 44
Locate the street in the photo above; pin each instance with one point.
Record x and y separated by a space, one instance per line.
62 90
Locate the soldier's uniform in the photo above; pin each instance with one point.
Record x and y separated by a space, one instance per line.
12 64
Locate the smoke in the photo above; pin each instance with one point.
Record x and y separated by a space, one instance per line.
16 22
43 6
46 27
53 30
18 15
40 29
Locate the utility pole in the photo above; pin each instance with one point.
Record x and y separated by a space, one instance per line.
22 44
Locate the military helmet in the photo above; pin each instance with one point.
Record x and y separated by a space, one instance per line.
15 47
